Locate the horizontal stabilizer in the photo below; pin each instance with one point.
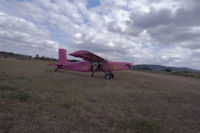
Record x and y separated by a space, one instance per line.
52 64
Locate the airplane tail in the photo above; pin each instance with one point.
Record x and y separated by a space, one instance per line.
62 56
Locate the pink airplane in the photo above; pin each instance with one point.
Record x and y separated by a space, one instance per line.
92 63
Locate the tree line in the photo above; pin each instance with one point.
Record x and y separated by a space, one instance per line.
28 57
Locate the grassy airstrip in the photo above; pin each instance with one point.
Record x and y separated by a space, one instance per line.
35 99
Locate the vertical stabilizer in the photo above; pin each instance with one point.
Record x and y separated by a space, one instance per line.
62 56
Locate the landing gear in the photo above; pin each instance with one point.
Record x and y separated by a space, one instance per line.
112 75
92 74
56 69
109 75
96 67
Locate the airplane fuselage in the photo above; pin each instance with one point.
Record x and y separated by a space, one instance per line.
92 63
85 66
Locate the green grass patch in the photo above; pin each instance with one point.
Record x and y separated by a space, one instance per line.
140 125
191 75
66 105
20 77
20 95
7 88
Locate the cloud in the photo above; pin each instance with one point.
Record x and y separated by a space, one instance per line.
19 35
149 31
167 27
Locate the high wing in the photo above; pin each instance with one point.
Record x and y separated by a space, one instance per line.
87 55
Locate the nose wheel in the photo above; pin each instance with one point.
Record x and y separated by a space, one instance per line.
109 75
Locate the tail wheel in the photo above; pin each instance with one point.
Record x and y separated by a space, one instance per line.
108 76
56 69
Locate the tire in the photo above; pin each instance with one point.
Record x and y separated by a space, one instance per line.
107 76
112 75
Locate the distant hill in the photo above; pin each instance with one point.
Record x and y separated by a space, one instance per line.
164 68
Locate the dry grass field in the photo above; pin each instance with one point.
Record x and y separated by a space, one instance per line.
35 99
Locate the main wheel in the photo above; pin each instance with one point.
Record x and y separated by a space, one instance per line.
56 70
107 76
112 75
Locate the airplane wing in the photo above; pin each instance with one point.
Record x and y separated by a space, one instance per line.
87 55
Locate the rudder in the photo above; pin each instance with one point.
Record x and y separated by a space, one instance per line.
62 56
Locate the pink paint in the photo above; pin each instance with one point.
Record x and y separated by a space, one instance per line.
62 56
85 66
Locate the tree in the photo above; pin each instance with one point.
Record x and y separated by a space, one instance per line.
37 56
167 70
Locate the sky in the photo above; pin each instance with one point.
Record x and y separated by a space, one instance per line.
162 32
